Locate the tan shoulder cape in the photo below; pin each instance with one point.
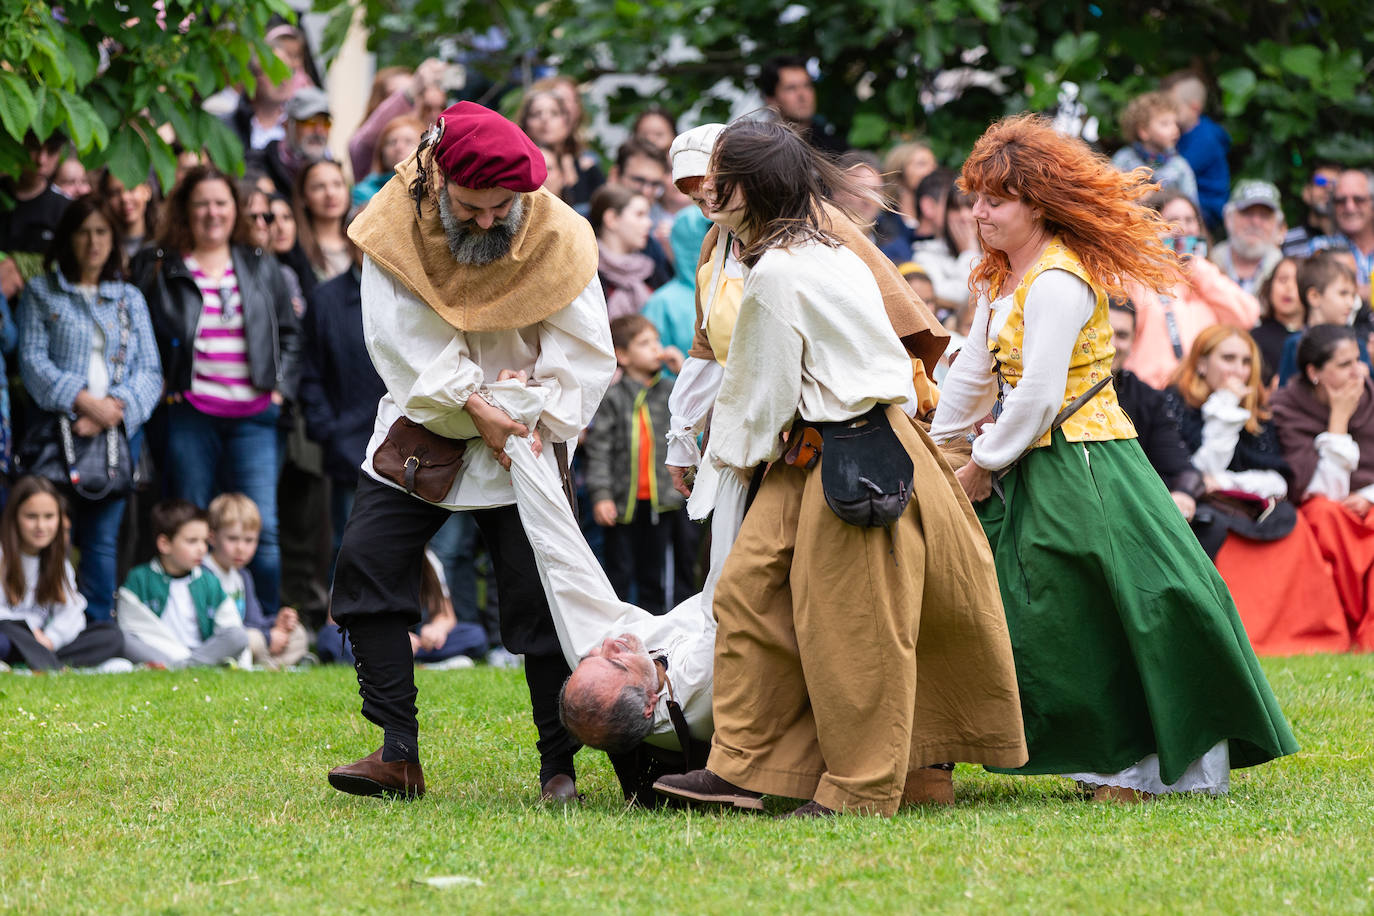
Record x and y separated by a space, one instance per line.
924 338
551 261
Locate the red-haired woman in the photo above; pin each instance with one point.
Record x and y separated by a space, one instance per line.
1267 553
1136 677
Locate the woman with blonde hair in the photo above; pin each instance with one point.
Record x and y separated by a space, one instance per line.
1266 552
1136 676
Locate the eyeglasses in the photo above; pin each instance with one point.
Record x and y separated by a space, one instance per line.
267 218
646 186
1357 200
318 122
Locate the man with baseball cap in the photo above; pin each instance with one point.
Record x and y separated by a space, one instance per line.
1254 230
307 126
473 278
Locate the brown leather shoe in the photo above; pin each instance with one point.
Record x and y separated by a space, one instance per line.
705 787
811 809
1121 795
929 786
560 789
376 778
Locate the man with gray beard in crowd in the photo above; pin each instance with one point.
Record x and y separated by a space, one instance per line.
1254 229
472 275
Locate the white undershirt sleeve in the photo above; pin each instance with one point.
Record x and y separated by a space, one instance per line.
694 394
1337 456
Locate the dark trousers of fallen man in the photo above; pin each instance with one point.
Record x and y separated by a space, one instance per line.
376 598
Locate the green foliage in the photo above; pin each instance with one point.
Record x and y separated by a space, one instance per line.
108 75
1293 78
204 791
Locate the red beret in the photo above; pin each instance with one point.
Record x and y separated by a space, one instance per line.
480 149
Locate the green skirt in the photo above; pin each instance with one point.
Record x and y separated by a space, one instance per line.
1126 639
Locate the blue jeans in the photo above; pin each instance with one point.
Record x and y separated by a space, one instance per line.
203 450
95 532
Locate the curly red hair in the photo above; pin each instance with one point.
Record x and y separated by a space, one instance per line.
1093 207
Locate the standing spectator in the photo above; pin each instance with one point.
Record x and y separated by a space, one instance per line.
1354 203
229 341
1204 143
656 127
544 116
1319 220
1268 555
1167 323
629 485
135 210
1254 229
1282 314
786 86
620 218
1325 418
306 138
867 197
26 228
260 119
71 179
339 388
9 340
321 205
1150 127
396 93
285 243
88 350
276 640
948 260
395 144
173 612
41 619
644 169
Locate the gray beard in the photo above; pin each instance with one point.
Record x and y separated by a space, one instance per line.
477 247
1249 250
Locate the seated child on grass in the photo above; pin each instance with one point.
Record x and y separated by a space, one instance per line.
42 615
278 641
172 611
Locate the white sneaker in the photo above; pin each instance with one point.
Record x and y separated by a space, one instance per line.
500 658
4 668
114 666
450 664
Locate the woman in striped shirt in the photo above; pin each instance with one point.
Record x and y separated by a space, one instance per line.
229 341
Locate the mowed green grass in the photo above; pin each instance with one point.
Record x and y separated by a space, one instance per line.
205 792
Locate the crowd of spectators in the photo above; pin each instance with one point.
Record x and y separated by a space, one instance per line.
210 332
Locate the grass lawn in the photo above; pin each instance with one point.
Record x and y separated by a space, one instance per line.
205 791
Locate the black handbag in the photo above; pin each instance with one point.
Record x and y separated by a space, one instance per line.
95 467
866 473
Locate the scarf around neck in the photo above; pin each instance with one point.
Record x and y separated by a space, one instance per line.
624 276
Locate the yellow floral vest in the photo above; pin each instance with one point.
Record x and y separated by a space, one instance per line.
1101 418
722 305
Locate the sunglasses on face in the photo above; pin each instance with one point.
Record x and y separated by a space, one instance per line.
318 122
1356 200
1321 181
267 218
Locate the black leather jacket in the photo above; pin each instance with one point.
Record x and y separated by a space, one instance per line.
271 331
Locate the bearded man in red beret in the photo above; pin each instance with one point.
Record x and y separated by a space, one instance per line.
472 275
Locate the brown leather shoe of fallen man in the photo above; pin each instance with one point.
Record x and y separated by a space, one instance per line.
929 786
703 787
376 778
560 789
811 809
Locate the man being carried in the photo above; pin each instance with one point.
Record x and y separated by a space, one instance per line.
473 277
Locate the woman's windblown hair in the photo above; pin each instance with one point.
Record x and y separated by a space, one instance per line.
1096 209
783 184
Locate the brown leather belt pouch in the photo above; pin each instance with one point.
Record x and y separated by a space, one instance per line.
422 463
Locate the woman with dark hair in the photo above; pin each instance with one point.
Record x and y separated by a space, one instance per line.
1168 321
1282 315
230 342
1325 418
322 202
1136 675
284 243
815 681
620 218
1268 555
135 209
87 350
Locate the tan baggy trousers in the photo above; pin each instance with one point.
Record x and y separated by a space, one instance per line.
824 626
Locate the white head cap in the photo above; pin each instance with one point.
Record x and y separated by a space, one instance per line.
690 153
